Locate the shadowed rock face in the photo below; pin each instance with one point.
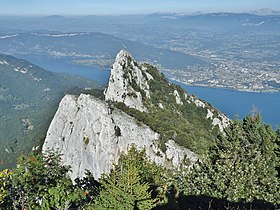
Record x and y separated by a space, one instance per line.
91 135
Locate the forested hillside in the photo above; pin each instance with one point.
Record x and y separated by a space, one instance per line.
29 96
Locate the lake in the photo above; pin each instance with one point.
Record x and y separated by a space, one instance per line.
234 103
230 102
65 65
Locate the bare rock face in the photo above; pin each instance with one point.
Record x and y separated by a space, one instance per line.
127 81
91 135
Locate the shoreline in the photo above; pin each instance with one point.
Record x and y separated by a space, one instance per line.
224 88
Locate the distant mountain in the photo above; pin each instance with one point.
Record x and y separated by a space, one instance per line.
159 15
94 48
266 11
29 96
231 21
54 17
124 26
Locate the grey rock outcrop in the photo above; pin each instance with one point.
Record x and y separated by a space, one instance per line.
91 135
126 82
217 117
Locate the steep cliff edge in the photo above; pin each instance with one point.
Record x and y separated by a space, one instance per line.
91 135
141 108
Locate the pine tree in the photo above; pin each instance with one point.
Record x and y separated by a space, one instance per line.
123 189
241 166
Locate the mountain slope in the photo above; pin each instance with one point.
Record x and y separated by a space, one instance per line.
169 123
29 96
143 92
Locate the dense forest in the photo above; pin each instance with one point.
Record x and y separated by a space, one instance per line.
240 170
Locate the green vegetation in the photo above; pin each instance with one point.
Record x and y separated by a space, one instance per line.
182 123
241 166
41 182
239 169
5 177
86 140
127 186
31 97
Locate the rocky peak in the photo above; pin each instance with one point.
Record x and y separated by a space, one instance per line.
128 82
91 134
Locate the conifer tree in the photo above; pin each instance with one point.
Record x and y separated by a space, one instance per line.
123 189
241 166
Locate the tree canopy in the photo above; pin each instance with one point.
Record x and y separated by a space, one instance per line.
241 165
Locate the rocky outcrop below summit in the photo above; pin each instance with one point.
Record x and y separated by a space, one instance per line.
91 136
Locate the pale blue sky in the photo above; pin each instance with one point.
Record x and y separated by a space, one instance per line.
97 7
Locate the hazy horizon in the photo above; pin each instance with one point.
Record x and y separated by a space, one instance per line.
127 7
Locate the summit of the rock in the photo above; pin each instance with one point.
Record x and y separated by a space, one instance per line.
122 55
128 82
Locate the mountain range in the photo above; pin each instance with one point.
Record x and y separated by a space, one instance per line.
195 49
93 49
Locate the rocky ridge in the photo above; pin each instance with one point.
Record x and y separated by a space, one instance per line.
91 133
129 84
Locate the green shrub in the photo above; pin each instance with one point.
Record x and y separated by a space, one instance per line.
86 140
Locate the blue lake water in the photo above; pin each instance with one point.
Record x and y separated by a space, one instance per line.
64 65
234 103
230 102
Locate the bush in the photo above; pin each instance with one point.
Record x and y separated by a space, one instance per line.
40 182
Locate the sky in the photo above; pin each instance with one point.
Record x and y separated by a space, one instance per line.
114 7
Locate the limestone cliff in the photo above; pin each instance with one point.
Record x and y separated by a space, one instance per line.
127 81
129 84
141 108
91 135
